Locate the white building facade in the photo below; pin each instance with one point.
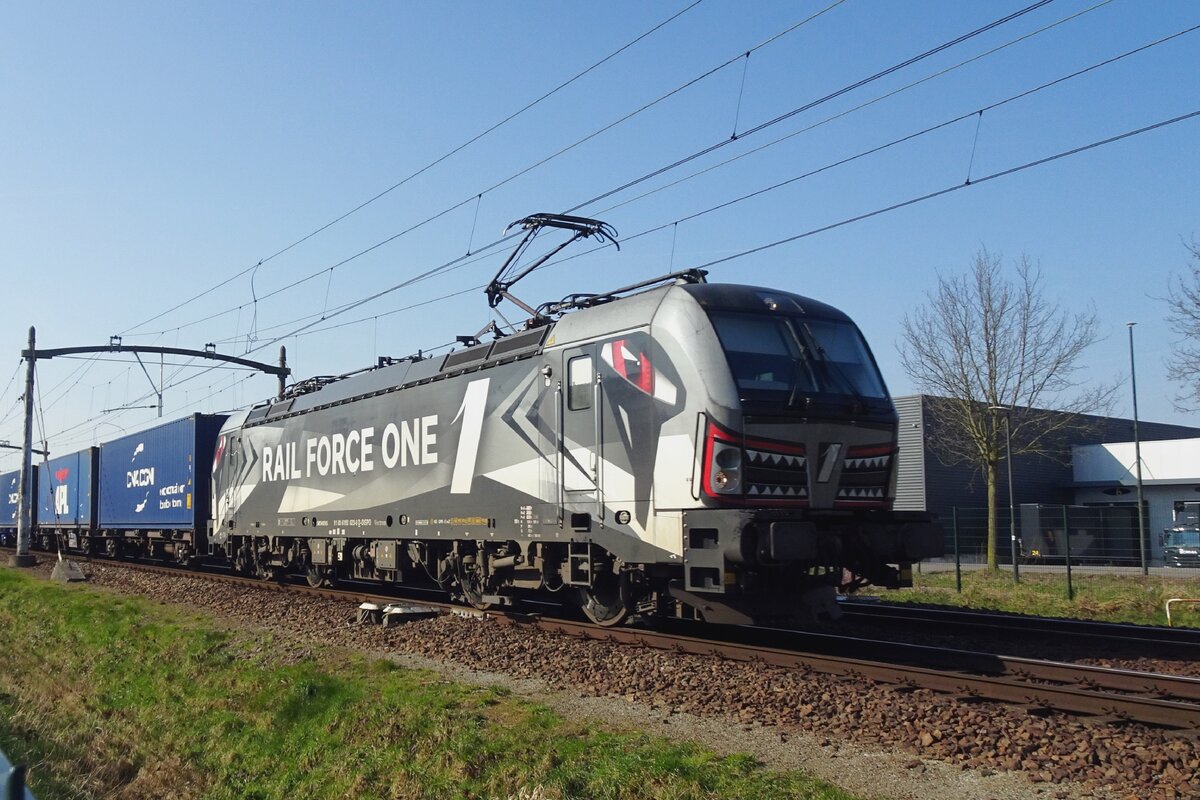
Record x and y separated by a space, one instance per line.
1107 474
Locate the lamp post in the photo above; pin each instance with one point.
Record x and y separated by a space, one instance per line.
1012 515
1137 455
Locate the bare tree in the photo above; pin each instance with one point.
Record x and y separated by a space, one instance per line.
1184 300
998 352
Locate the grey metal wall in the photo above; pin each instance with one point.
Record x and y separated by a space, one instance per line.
910 462
925 482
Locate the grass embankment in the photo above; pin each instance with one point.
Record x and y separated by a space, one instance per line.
109 696
1107 598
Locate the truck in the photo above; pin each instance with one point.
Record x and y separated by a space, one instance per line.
1181 542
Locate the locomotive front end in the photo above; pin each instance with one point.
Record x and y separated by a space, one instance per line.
796 462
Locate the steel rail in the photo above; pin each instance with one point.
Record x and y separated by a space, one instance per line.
976 620
985 663
1082 701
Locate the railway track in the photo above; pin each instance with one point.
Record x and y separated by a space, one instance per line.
1106 695
948 618
1100 694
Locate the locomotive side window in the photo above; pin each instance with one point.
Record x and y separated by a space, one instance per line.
579 383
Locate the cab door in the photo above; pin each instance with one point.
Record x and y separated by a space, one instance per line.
581 440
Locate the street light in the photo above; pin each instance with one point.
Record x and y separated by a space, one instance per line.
1012 515
1137 454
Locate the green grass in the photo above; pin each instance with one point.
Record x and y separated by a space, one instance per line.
106 696
1109 598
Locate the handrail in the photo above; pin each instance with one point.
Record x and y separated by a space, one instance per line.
1185 600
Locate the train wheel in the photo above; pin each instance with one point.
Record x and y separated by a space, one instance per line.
606 602
318 576
268 572
470 582
243 560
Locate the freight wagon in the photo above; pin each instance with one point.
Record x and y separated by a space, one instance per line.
153 489
10 500
66 491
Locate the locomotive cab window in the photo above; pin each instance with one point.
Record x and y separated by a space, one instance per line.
579 383
776 359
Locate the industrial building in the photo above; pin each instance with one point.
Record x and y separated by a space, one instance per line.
1092 467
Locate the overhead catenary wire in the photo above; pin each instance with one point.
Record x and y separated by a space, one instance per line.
12 378
826 167
877 212
956 187
918 199
861 106
392 312
910 60
900 140
251 335
813 104
208 369
79 374
756 129
454 151
445 156
318 273
475 197
342 324
40 418
442 270
430 274
8 386
868 215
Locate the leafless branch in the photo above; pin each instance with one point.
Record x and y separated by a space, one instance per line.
1184 317
995 352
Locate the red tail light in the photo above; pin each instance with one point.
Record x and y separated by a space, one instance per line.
756 472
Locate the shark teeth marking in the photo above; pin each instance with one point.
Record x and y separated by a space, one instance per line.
775 459
872 463
871 493
766 490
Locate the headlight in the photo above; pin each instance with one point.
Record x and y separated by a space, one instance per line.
727 468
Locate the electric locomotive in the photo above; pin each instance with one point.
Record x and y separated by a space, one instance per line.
673 448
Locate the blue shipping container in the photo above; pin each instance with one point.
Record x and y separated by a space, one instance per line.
10 488
159 478
9 498
65 491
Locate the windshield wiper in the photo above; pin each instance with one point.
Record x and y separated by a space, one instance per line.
834 372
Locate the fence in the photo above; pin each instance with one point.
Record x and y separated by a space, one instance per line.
1071 541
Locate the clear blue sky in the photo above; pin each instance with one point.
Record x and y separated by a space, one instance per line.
152 150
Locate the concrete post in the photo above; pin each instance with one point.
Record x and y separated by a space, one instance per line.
25 485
